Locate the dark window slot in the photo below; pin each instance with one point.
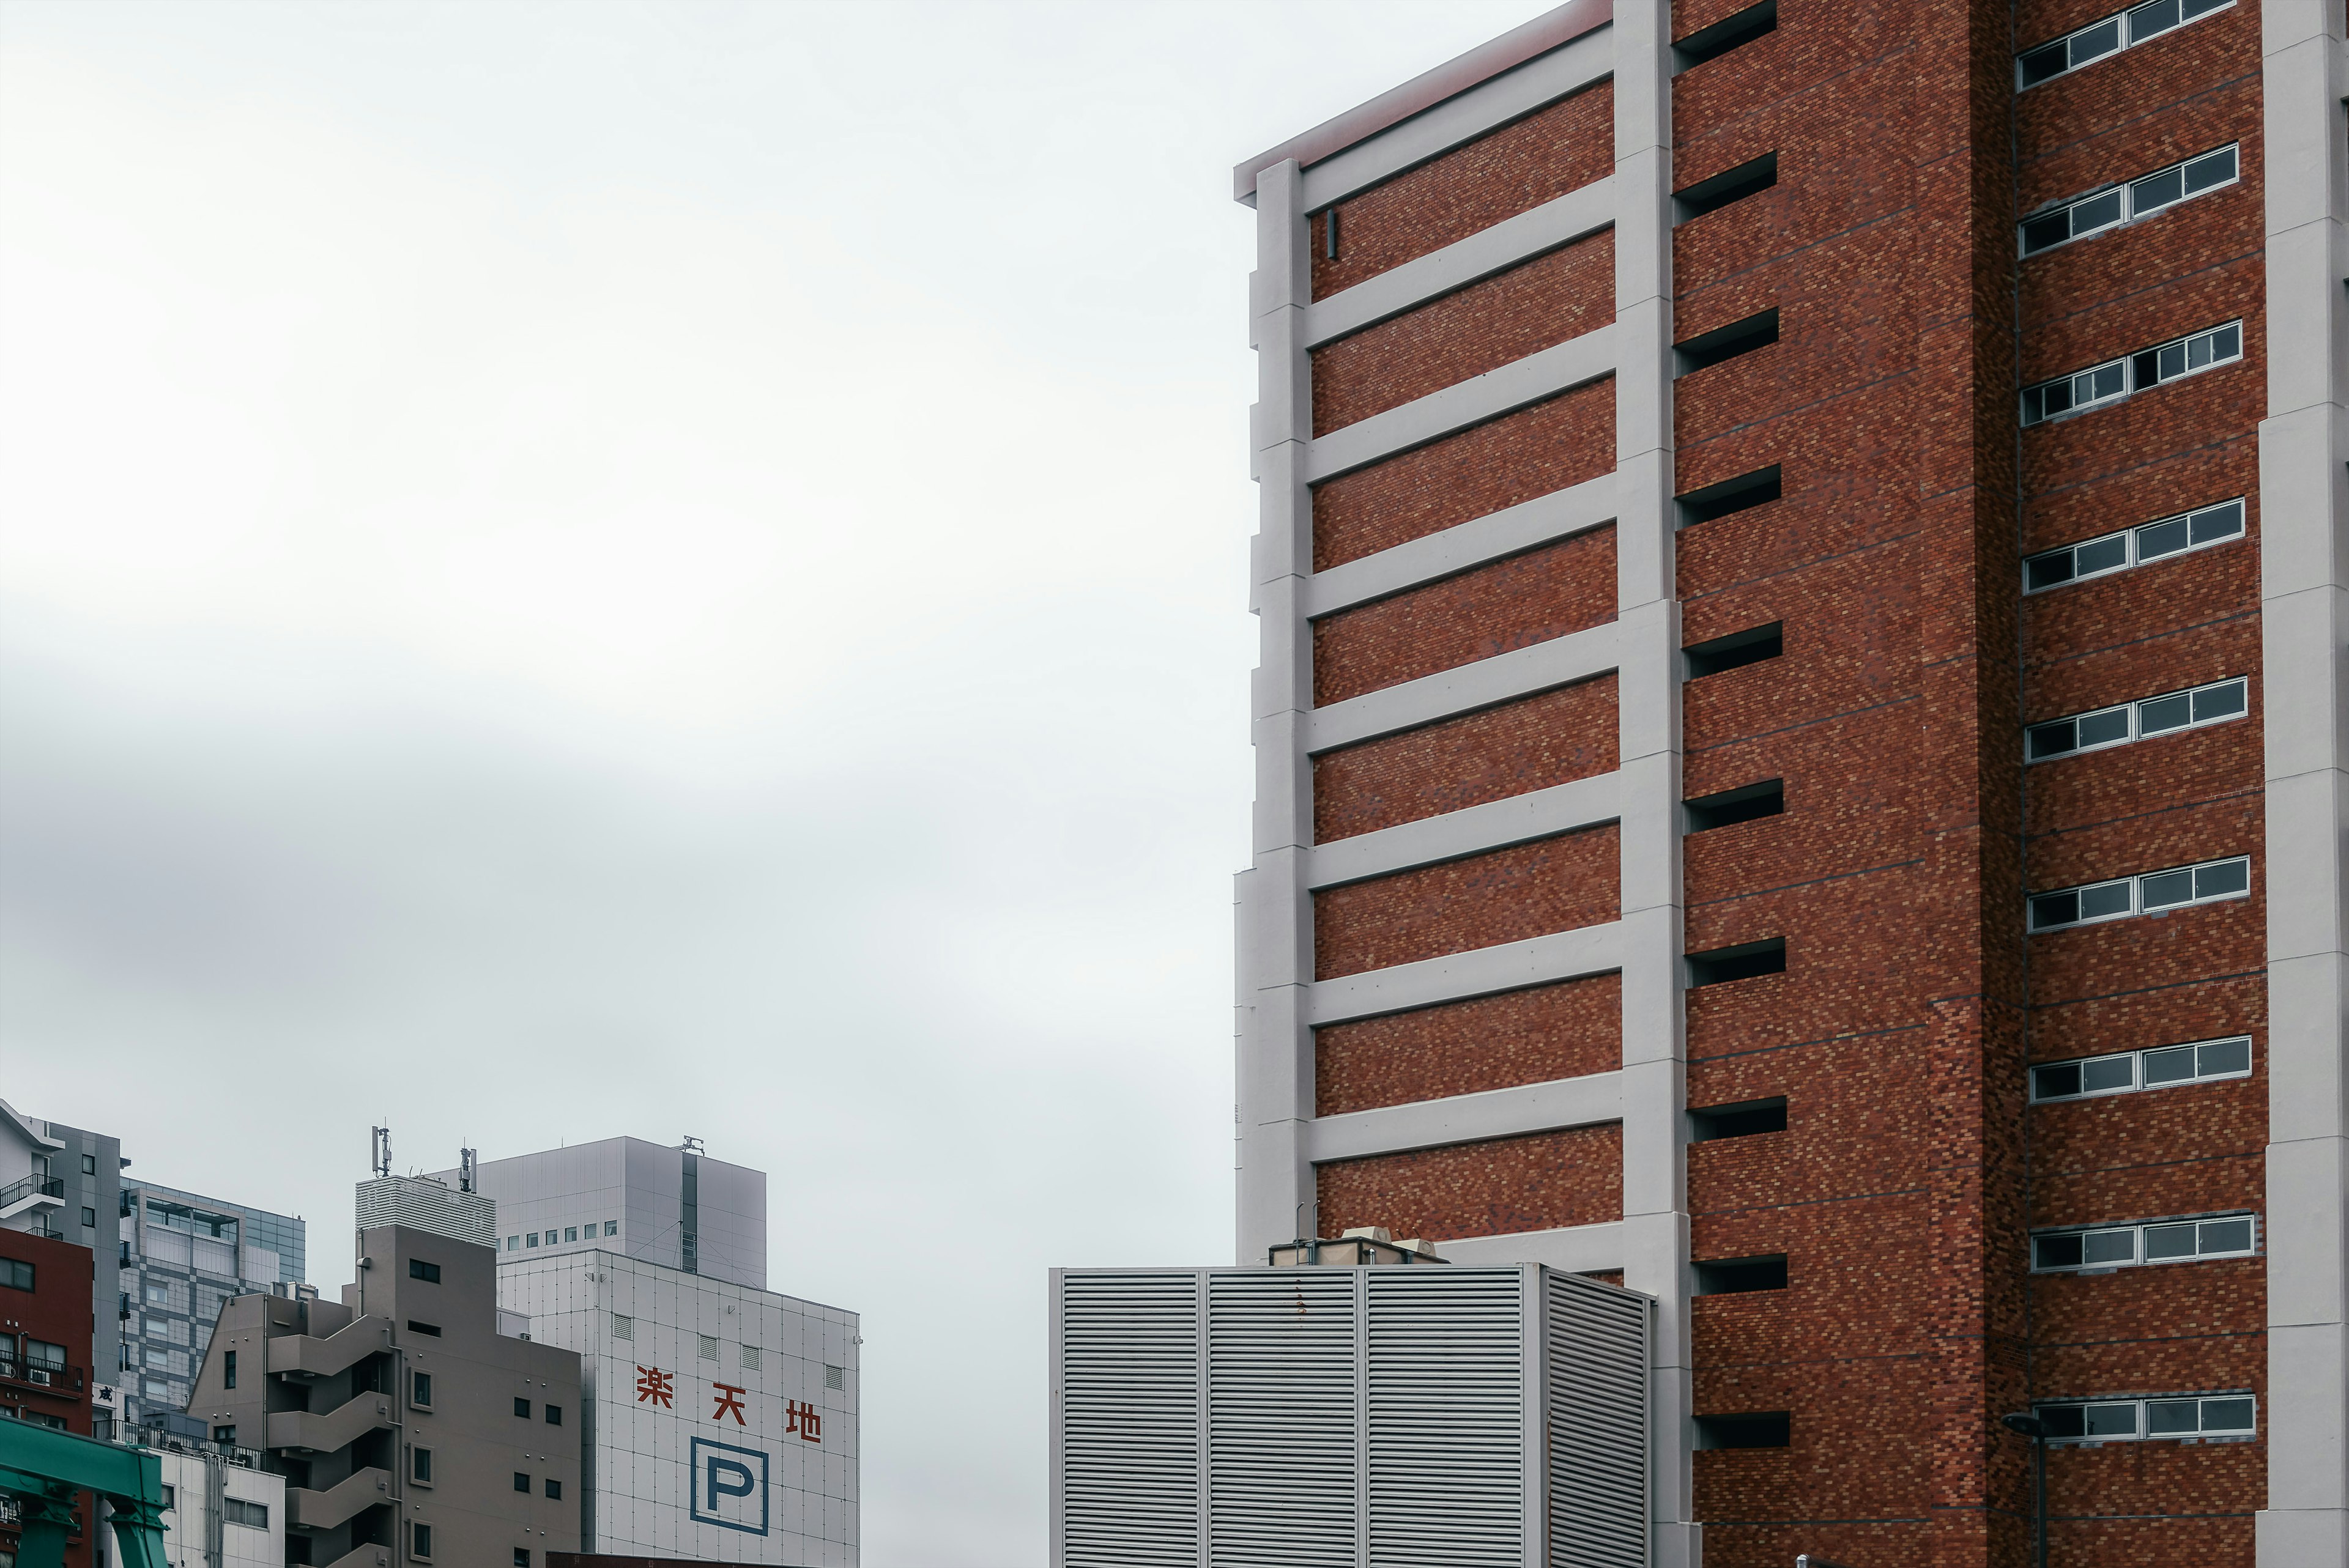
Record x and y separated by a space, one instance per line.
1707 349
1730 33
1743 962
1716 501
1736 1276
1766 1430
433 1329
1748 179
1743 804
1750 647
1746 1119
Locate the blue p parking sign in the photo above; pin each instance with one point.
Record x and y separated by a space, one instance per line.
729 1486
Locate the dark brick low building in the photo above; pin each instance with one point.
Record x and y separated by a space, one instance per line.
1799 744
47 1328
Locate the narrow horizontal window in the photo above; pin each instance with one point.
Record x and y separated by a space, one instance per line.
1759 487
2130 1420
2120 204
1743 962
1748 179
2141 721
1760 1430
2107 35
1743 804
2124 1072
2118 378
1738 1276
2136 546
1747 647
1745 1119
1733 32
2126 1246
2155 892
1707 349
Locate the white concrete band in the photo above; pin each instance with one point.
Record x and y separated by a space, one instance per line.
1465 688
1561 220
1578 1249
1461 118
1496 825
1551 1107
1516 385
1545 520
2305 606
1458 977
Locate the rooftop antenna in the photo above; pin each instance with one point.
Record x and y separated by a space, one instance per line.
692 1145
382 1150
465 1168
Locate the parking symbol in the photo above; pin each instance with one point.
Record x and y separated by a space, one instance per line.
729 1486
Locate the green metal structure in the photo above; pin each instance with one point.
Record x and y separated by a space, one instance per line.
42 1468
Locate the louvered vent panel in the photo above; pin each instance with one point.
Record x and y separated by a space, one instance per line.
1280 1396
1130 1419
1446 1414
1597 1424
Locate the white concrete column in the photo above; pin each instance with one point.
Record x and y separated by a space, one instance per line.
2304 605
1276 914
1655 1186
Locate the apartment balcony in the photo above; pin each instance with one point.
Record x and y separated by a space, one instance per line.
41 1193
50 1376
308 1431
364 1557
339 1503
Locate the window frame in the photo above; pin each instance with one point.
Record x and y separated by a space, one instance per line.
2139 1256
419 1540
2129 212
420 1389
419 1464
430 1272
2132 553
2126 371
2137 1084
2135 720
2136 907
2127 36
2140 1435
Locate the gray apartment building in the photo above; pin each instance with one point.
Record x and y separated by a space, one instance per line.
675 1207
409 1429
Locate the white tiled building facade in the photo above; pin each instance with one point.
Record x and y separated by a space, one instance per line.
720 1420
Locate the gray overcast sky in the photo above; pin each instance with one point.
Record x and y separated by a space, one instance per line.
583 569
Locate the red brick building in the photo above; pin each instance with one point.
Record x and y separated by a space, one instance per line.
1799 744
47 1327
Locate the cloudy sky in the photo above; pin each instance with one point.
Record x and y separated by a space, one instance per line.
581 569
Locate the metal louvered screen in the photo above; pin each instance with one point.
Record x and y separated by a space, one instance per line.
1447 1373
1597 1365
1128 1422
1349 1418
1281 1353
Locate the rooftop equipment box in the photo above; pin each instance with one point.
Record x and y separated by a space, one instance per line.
1349 1418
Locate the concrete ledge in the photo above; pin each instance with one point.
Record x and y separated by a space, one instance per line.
1577 1249
1559 221
1468 1117
1560 809
1541 520
1521 671
1537 377
1456 977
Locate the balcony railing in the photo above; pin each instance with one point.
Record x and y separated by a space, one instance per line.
32 1187
56 1376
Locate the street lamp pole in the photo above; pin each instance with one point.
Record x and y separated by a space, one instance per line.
2034 1429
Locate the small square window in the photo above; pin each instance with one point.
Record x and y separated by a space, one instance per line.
522 1557
429 1273
570 1232
622 1328
554 1415
611 1227
532 1239
522 1408
521 1481
708 1347
90 1164
513 1244
554 1490
419 1466
835 1377
420 1392
89 1217
751 1359
420 1543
